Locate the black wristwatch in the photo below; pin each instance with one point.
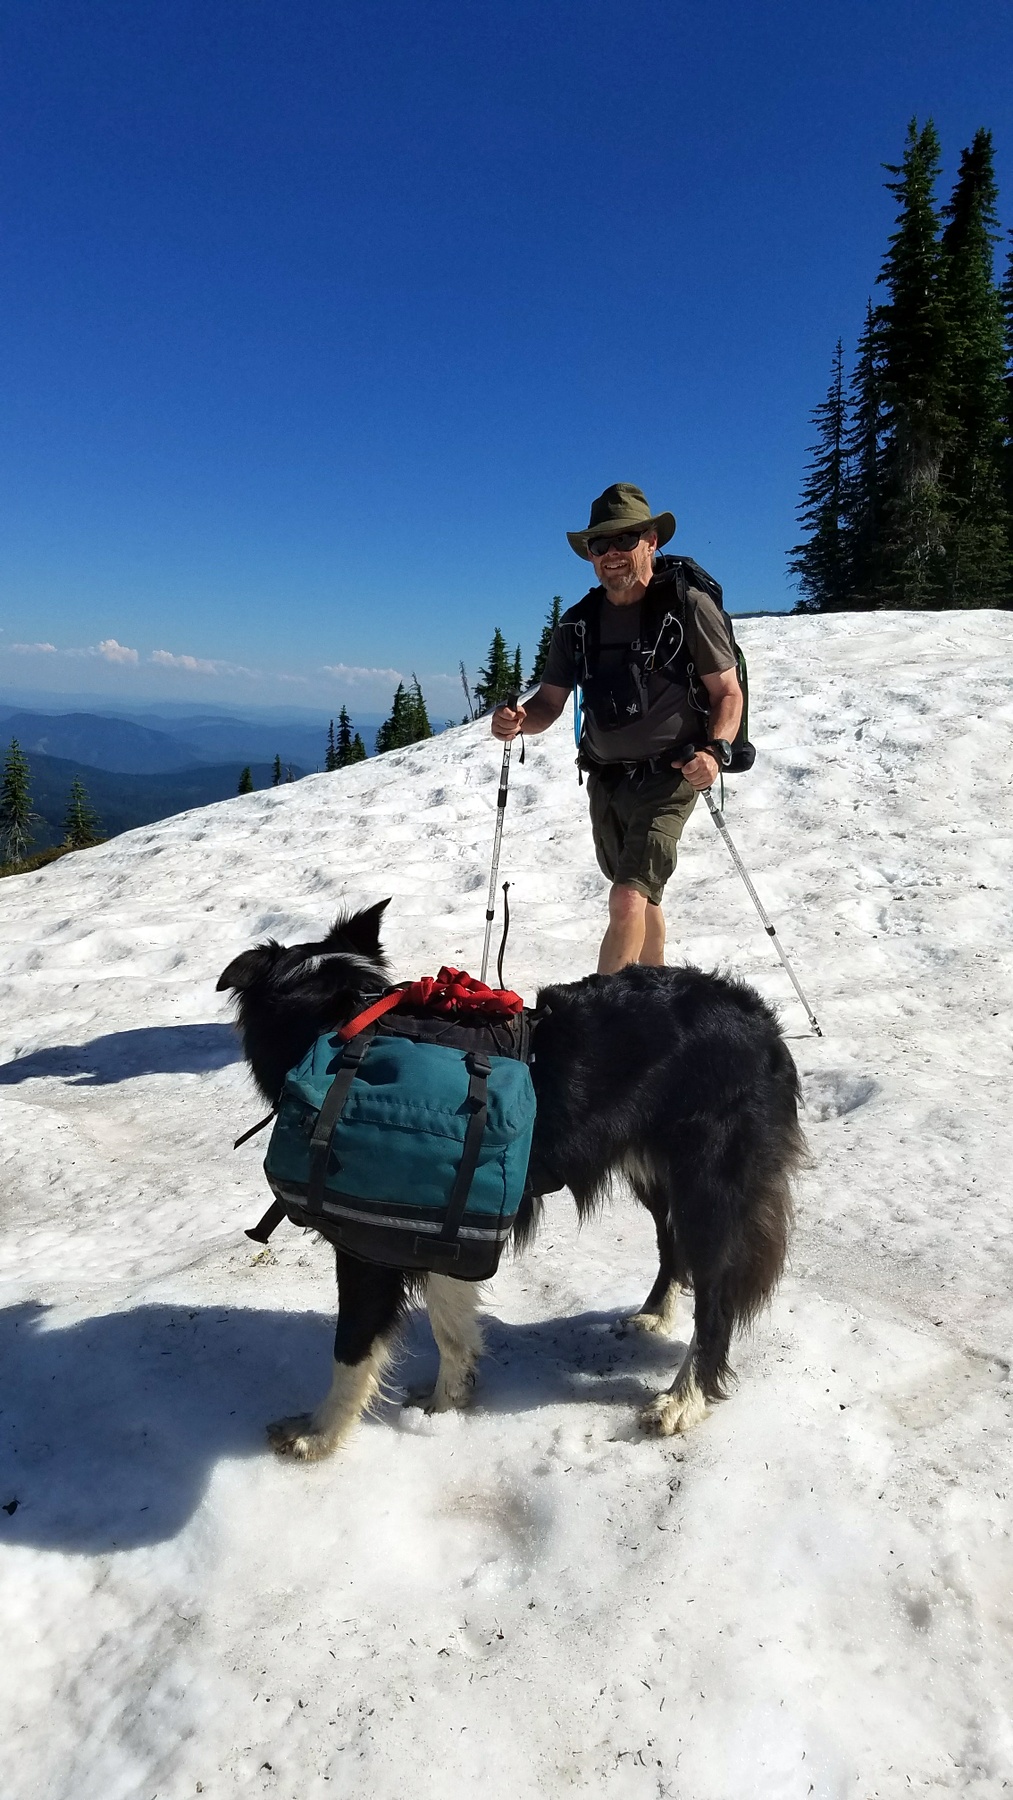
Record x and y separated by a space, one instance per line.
721 750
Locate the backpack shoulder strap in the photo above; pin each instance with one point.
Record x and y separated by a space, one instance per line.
582 627
691 574
583 609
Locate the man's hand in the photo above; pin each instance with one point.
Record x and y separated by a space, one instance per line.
508 722
701 772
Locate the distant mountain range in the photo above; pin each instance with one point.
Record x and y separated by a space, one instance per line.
129 746
145 766
124 801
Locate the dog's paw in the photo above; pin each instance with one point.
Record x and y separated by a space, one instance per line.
297 1438
669 1413
647 1321
446 1396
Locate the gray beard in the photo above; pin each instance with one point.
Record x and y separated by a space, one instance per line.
619 584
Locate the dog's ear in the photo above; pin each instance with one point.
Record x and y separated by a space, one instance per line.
360 933
249 968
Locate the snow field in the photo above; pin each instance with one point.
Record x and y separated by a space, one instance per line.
811 1594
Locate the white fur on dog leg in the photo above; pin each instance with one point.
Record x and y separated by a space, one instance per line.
675 1411
661 1319
310 1436
457 1329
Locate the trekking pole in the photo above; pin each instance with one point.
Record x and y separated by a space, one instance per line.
718 817
501 800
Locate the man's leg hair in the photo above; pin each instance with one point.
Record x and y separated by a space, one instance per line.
653 952
623 942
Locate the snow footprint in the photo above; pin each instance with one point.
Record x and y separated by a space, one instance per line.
833 1092
506 1527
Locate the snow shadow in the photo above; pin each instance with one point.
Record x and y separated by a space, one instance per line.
121 1055
110 1427
551 1362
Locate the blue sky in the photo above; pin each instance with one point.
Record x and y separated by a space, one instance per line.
322 322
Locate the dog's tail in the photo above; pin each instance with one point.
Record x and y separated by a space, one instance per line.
529 1217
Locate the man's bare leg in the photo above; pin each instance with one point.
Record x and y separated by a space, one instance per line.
623 942
653 951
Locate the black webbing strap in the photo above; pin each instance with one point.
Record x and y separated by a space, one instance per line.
264 1227
254 1130
479 1069
330 1113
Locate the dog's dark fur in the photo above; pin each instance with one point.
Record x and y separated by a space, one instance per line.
678 1080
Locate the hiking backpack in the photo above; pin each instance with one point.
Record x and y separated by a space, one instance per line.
613 700
406 1139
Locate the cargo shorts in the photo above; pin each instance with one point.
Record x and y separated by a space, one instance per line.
636 823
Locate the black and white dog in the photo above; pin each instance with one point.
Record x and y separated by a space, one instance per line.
678 1080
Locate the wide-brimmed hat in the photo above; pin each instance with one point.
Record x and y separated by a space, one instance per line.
622 507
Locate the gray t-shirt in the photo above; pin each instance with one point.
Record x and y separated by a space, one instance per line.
670 718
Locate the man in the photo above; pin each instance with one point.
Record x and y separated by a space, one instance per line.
616 644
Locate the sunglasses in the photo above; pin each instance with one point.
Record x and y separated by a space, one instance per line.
623 540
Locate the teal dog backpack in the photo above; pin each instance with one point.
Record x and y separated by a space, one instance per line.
405 1136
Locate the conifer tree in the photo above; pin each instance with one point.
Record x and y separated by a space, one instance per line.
245 781
343 748
496 679
516 673
864 454
917 383
276 772
820 564
392 733
545 640
418 716
1007 306
81 823
357 752
977 569
331 757
16 815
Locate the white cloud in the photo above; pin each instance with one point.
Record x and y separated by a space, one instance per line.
348 672
115 653
35 649
199 665
193 665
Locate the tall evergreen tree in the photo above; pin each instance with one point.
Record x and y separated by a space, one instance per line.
1007 306
245 781
358 750
864 455
343 746
820 564
917 383
978 540
546 638
331 756
418 716
392 734
81 825
276 772
517 673
16 815
495 681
